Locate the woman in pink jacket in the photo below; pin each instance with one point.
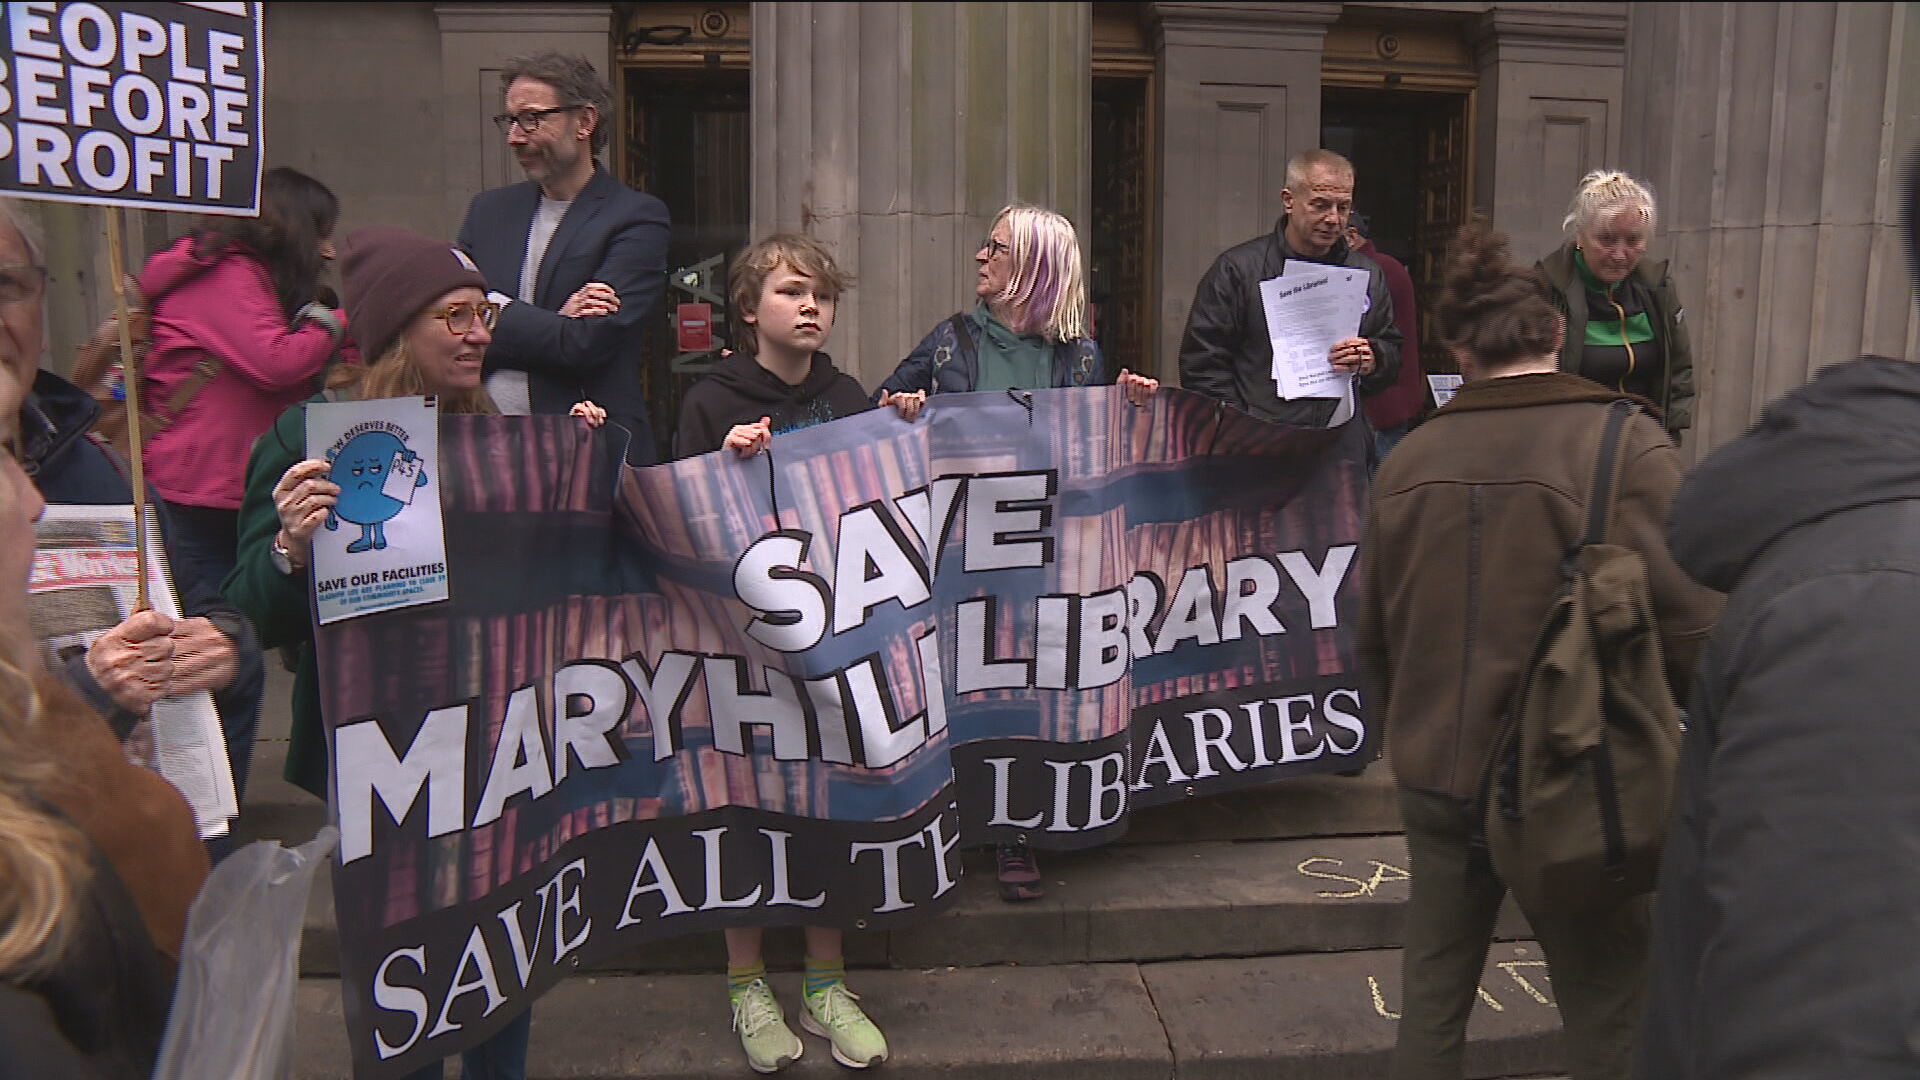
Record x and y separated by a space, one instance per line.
239 335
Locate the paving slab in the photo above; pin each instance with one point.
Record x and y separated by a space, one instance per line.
1331 1017
1080 1022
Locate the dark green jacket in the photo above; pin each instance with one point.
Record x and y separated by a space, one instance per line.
1676 399
280 604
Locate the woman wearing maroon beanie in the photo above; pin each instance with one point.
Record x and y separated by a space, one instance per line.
421 314
421 311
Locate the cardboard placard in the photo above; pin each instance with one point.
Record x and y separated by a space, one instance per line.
145 105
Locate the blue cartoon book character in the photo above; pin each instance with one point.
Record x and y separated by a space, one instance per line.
377 475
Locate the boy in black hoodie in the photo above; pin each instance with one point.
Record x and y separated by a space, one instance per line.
783 291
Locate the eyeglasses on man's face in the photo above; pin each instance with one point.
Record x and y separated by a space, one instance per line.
459 317
528 121
18 284
995 248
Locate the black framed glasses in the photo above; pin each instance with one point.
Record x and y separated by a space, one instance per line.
995 248
19 284
459 317
529 121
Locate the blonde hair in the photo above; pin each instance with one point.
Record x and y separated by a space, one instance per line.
395 374
43 857
1047 289
1604 191
747 277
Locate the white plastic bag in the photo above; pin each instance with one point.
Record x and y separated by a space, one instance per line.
233 1004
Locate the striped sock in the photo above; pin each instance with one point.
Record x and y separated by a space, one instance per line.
824 973
739 978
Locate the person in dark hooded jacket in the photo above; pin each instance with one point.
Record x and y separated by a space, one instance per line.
783 291
769 388
1788 916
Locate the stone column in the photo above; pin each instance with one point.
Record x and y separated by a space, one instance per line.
474 39
354 99
1773 136
1548 111
1238 94
78 294
896 131
74 246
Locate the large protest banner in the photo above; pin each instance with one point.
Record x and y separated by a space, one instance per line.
1172 628
721 692
147 105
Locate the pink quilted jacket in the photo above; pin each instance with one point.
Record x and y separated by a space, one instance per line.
223 306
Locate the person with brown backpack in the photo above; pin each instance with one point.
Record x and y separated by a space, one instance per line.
1482 526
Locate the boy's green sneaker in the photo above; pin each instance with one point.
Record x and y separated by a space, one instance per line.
770 1044
833 1015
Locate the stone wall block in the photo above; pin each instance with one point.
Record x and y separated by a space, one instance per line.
474 40
921 121
1550 111
1238 96
1789 184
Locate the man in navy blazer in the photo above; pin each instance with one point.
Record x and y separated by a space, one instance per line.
577 258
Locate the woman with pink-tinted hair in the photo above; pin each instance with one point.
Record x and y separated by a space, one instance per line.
1028 331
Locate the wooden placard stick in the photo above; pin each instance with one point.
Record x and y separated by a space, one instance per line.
130 366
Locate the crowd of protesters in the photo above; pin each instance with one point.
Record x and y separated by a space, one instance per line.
1794 753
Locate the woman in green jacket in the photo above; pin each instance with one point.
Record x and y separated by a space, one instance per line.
425 318
1625 326
420 308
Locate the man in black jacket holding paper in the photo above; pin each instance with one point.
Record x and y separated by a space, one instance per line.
1226 352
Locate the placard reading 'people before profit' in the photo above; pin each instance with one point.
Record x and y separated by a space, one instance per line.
155 106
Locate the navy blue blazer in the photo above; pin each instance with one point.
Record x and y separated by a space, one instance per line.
611 234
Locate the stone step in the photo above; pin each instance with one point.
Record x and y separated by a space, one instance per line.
1131 902
1328 1015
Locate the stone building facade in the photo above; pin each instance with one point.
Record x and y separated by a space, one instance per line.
1771 132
